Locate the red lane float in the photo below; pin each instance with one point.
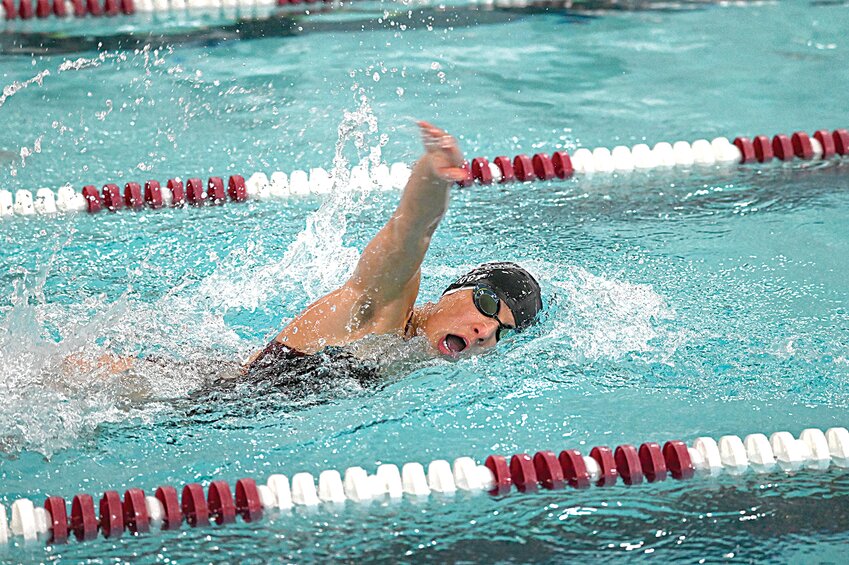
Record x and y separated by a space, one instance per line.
548 470
133 196
248 503
574 468
628 464
93 8
111 514
92 198
194 192
178 196
468 179
782 147
523 472
9 7
55 506
25 9
236 189
497 464
747 149
481 171
215 190
826 141
167 496
606 463
506 167
83 518
543 167
562 164
802 146
763 148
135 511
194 505
841 141
112 197
153 194
652 462
678 460
220 503
523 168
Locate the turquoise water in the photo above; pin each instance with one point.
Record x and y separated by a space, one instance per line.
680 303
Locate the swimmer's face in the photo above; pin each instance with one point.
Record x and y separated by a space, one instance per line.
455 326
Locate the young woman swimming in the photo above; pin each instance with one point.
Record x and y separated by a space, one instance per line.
380 296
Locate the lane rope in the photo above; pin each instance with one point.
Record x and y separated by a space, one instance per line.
28 9
41 9
559 165
139 513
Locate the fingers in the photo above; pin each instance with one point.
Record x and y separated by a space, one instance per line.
444 152
453 174
425 126
435 138
430 131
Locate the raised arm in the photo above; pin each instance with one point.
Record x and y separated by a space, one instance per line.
393 258
381 293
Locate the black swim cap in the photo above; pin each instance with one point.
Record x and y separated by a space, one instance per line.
513 284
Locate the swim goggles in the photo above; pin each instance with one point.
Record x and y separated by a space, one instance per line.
487 302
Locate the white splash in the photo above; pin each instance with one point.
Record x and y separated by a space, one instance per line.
15 87
605 319
318 260
55 392
25 153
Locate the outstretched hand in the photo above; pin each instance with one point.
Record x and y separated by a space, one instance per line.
446 159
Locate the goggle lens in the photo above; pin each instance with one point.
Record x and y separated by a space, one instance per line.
487 302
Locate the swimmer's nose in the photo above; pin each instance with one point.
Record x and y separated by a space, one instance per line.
484 332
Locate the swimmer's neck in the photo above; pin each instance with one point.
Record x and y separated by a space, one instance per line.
418 320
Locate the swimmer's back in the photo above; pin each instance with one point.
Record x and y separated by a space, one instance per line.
280 366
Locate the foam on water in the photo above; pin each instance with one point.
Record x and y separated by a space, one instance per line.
51 364
605 318
318 260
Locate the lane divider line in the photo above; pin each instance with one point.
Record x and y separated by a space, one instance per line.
602 467
559 165
41 9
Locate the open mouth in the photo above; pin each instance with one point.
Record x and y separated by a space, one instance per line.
453 344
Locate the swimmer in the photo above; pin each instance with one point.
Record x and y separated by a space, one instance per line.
472 314
470 317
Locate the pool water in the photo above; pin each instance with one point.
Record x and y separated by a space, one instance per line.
680 303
